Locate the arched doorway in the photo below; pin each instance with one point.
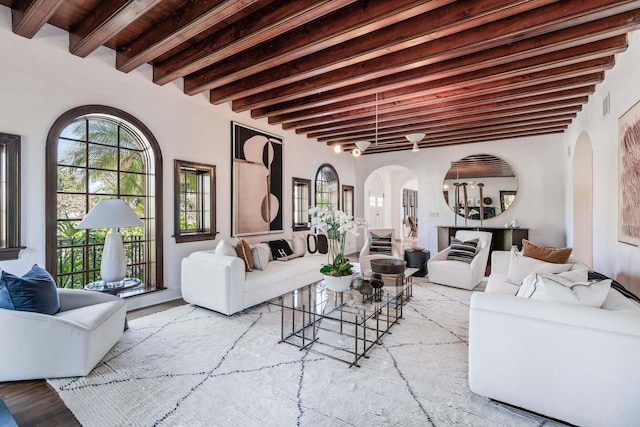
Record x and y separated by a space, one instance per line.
583 200
383 198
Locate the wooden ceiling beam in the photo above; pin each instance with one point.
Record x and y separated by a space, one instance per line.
577 55
104 22
183 24
429 94
28 16
540 91
465 139
376 76
406 34
477 129
511 29
428 125
343 25
444 110
254 29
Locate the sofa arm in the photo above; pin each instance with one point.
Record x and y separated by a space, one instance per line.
216 282
570 362
500 261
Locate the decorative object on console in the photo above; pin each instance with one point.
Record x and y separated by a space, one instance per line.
256 182
556 256
629 176
337 225
113 214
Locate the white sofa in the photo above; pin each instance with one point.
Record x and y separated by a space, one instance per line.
67 344
569 362
220 283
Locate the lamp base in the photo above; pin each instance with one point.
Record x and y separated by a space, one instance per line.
114 265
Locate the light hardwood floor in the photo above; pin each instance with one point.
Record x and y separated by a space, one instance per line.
34 403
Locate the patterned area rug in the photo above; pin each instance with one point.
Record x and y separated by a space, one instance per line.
191 366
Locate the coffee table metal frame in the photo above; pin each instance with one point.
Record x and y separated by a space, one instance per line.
324 322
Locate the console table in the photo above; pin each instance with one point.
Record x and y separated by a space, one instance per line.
503 238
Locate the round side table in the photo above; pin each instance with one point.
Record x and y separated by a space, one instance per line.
417 258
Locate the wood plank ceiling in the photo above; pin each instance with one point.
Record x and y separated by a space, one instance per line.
343 71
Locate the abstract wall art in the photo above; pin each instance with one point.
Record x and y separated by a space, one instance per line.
256 182
629 176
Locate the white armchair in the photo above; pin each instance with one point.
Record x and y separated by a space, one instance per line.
367 253
458 273
67 344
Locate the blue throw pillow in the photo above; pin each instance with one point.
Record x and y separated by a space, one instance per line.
5 298
35 291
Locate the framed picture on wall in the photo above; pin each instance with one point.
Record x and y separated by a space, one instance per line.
256 182
629 176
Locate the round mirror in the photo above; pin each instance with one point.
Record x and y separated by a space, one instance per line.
479 187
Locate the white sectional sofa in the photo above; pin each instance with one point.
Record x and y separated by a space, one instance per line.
567 361
220 283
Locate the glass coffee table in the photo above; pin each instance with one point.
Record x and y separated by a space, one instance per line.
340 325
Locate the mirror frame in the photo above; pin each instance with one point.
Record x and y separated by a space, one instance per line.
496 197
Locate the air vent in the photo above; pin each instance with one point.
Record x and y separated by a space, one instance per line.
606 105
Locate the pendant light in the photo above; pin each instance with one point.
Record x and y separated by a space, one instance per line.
415 138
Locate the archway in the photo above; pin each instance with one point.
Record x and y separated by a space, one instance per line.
583 200
383 197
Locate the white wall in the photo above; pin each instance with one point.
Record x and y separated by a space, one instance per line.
610 257
537 161
40 80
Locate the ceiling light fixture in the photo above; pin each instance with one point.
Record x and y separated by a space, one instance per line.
363 145
415 138
337 148
356 152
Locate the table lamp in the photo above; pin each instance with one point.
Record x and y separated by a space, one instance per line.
111 213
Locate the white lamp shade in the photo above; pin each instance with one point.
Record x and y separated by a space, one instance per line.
363 145
111 213
415 137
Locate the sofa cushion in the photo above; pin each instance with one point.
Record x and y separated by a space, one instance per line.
317 244
243 250
556 256
463 251
571 287
299 246
380 243
279 248
521 266
35 291
225 248
261 255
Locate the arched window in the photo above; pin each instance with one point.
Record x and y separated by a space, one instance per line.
96 152
327 185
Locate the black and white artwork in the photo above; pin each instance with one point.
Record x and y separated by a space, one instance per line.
256 182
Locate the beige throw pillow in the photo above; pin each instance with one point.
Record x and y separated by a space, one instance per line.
244 252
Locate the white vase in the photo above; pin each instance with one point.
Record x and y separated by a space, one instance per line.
338 283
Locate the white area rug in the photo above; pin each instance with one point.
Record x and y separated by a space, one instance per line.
188 366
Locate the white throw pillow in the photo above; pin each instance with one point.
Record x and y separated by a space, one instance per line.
226 248
261 255
299 245
570 287
521 266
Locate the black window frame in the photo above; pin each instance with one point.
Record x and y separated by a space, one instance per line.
204 173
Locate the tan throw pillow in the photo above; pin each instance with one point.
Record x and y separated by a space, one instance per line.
244 252
556 256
